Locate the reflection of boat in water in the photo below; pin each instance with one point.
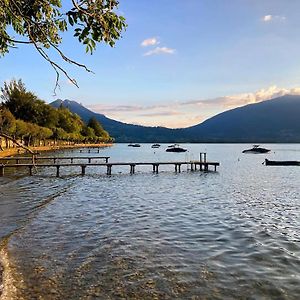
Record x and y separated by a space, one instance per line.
282 162
256 150
134 145
175 148
155 146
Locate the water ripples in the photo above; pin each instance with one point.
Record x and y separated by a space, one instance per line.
165 236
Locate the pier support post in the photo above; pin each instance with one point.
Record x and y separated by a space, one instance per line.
176 168
30 170
17 161
71 160
57 171
83 170
192 167
206 167
132 166
54 160
200 164
90 160
1 171
106 159
155 168
215 168
108 172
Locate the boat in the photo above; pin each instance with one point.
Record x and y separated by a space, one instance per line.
155 146
256 150
134 145
282 162
175 148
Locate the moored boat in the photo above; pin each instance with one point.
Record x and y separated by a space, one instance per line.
155 146
134 145
175 148
256 150
282 162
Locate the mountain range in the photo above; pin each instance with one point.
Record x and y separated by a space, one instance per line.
273 121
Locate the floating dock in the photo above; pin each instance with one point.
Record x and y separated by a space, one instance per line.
282 162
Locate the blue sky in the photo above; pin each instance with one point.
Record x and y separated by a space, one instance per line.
179 62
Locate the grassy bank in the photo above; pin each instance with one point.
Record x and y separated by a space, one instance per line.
15 151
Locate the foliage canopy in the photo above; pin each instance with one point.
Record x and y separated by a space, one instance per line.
41 23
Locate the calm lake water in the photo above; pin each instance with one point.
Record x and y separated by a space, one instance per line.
233 234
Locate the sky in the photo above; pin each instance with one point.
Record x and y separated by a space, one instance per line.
178 63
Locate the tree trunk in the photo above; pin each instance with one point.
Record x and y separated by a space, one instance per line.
7 137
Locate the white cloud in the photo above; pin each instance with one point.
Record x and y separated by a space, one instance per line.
161 113
267 18
150 42
259 96
160 50
232 101
186 113
270 18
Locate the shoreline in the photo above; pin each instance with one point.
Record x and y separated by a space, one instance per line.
17 150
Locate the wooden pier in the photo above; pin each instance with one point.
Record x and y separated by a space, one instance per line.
90 150
52 158
194 165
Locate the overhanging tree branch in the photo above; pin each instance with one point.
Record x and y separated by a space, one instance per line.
16 142
93 21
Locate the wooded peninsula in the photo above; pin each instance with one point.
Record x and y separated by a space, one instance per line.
28 120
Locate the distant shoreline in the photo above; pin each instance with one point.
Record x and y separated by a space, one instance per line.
14 151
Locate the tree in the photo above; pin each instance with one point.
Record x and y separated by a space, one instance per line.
7 121
68 121
88 134
41 22
98 129
21 129
22 104
7 125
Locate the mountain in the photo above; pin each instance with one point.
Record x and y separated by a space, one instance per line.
123 132
275 120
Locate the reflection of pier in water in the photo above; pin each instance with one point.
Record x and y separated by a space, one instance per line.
201 165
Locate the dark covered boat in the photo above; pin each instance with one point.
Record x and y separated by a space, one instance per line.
282 162
134 145
175 148
256 150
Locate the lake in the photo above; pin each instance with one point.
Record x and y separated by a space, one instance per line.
231 234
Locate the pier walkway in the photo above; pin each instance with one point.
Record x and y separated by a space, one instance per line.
57 162
194 166
52 158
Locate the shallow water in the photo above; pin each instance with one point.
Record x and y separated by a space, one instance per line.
233 234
